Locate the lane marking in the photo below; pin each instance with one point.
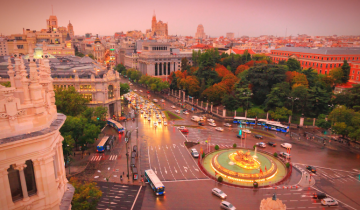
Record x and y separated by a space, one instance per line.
168 165
177 161
159 164
334 198
136 198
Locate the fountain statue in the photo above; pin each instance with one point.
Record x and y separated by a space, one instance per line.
244 160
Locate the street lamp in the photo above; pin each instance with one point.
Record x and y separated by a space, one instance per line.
292 108
247 94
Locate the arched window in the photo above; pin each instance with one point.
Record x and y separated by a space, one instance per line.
160 69
164 68
110 92
156 69
168 68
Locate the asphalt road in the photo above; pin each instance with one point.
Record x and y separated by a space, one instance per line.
162 149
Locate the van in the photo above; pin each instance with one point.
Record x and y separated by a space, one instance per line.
285 155
132 163
195 118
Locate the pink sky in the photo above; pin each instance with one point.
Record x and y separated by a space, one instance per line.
250 17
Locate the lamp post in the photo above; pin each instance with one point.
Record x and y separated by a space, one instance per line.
292 109
247 94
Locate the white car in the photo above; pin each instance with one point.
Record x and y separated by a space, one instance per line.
212 124
226 205
173 106
145 116
157 116
142 112
165 123
155 124
130 84
246 131
140 91
163 116
261 144
177 111
227 125
194 153
186 112
159 120
149 118
201 119
181 127
219 193
162 100
211 120
329 202
135 90
219 129
286 145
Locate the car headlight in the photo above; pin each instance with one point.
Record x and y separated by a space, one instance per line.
157 193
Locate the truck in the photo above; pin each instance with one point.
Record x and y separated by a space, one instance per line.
195 118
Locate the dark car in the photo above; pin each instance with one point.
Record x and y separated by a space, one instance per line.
311 168
319 195
240 136
135 148
272 144
258 136
201 123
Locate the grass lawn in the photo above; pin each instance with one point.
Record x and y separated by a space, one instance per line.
171 116
263 133
191 126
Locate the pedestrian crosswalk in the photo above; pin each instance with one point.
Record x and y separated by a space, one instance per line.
100 157
220 145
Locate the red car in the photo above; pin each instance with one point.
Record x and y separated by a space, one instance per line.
147 92
185 130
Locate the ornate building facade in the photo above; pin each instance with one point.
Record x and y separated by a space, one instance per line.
32 172
158 28
200 34
159 59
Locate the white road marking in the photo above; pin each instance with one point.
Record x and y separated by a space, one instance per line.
136 198
175 169
165 170
177 161
167 147
159 164
334 198
174 145
168 165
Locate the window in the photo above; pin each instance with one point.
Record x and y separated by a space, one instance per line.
352 77
85 87
325 71
330 65
15 184
87 96
320 71
357 78
327 58
20 46
353 71
30 178
326 66
358 72
111 91
320 65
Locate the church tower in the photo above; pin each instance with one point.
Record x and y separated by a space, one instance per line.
70 29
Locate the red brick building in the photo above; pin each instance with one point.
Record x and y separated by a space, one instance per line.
322 59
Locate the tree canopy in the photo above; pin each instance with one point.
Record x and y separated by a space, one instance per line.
69 101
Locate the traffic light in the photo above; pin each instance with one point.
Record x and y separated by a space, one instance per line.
240 132
98 118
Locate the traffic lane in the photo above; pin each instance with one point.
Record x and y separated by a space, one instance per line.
167 169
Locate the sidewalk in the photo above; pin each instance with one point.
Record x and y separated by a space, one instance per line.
78 164
307 180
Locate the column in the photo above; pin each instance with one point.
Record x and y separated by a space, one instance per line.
172 92
38 175
314 122
207 105
184 96
224 112
21 167
235 114
211 106
267 116
192 100
5 197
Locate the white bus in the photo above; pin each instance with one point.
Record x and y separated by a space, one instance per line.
154 182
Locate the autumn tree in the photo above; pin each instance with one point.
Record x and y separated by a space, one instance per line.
337 75
300 80
229 81
215 93
221 70
86 195
241 68
184 64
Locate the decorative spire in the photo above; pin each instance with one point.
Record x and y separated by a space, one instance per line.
11 72
16 51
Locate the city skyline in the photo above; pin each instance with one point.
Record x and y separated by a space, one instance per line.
278 18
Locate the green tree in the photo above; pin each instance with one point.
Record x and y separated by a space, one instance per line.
91 56
79 54
280 113
311 75
124 88
318 99
120 68
243 96
346 122
321 122
217 147
68 145
346 71
184 64
86 195
278 96
337 74
230 102
293 64
69 101
302 93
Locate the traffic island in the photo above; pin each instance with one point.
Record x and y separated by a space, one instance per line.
245 168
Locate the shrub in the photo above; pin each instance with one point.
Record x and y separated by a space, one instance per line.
220 179
255 184
217 147
234 145
254 146
287 165
275 154
203 155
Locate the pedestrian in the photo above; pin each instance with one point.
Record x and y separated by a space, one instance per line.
123 173
306 176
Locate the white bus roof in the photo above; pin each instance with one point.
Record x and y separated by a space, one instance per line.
262 120
273 122
154 179
116 123
103 140
240 118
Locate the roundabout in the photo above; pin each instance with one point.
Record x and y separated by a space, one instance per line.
243 167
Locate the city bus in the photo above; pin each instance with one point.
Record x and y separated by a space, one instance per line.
154 182
119 128
106 141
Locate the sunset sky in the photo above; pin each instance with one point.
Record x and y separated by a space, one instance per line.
250 17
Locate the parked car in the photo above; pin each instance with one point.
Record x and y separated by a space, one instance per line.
311 168
246 131
212 124
135 90
162 100
148 92
285 155
219 193
194 153
261 144
201 123
140 91
185 130
173 106
258 136
227 205
219 129
286 145
319 195
227 125
329 202
272 144
211 120
177 111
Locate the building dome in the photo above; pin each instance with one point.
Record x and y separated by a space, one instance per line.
97 40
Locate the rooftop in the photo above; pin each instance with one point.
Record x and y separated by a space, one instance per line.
323 50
